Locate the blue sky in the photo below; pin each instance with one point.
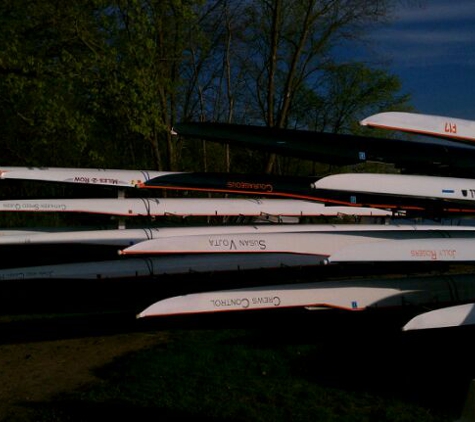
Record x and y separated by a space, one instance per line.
430 45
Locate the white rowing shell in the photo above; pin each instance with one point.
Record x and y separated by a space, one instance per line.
16 232
105 177
346 294
323 243
432 250
156 266
128 237
438 126
452 316
188 207
448 188
323 294
118 237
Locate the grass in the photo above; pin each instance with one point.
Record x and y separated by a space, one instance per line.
269 374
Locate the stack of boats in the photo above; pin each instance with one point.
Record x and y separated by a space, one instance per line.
350 241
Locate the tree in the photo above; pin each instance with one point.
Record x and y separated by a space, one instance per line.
92 81
292 45
351 91
102 82
46 53
345 94
147 41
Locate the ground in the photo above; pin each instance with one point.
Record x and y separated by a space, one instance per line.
44 358
36 367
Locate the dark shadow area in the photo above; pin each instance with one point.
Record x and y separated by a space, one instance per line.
361 353
112 410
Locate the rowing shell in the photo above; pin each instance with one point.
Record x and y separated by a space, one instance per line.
435 156
156 266
297 187
374 190
128 237
90 176
346 294
188 207
448 193
323 244
424 124
452 316
404 250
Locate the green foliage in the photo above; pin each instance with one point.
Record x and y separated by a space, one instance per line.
100 83
44 70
